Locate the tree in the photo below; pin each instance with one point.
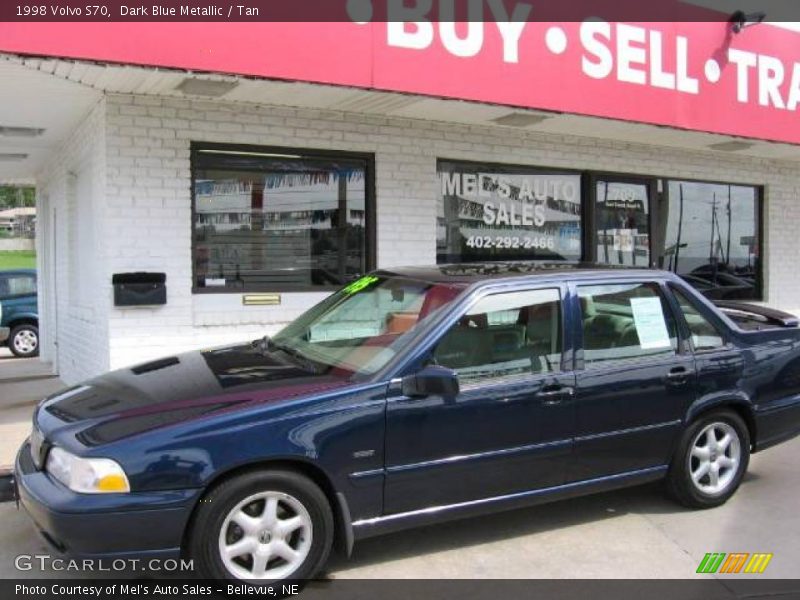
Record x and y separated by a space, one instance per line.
14 196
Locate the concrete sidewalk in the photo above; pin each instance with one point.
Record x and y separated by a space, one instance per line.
23 382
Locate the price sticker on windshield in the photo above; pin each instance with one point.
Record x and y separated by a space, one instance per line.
360 284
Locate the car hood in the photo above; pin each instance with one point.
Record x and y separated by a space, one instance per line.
188 386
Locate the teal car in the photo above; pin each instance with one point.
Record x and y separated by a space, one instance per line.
19 312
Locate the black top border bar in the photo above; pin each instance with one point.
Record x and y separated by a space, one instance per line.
460 11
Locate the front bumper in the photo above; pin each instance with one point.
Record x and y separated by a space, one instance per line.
135 525
4 333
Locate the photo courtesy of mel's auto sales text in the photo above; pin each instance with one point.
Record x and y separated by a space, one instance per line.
399 299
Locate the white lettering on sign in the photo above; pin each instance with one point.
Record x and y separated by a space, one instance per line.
629 53
507 214
770 77
639 56
409 28
529 188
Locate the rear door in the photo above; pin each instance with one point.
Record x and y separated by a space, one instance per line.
634 379
510 427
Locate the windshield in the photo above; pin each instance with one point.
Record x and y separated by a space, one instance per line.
358 330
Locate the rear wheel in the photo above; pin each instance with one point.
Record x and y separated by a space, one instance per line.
711 460
24 340
264 526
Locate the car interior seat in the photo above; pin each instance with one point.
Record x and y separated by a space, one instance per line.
463 346
543 335
603 330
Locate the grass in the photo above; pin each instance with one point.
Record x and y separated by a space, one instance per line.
17 259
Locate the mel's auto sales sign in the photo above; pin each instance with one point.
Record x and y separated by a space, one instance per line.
694 75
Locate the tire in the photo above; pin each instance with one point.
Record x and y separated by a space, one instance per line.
691 475
24 341
297 500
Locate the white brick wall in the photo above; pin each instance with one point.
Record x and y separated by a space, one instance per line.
71 255
146 223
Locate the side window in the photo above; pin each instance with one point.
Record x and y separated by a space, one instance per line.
622 321
704 335
505 335
21 285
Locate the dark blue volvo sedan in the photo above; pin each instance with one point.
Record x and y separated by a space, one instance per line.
408 397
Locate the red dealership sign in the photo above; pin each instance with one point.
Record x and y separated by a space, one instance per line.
692 75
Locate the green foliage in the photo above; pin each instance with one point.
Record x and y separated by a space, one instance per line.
12 196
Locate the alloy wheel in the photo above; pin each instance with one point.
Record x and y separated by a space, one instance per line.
265 536
714 458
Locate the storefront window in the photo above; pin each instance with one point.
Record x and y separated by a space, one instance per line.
269 220
622 210
495 213
710 236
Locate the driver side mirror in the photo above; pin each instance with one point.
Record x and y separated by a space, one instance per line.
431 381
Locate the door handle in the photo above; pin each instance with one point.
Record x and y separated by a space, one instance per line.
679 374
553 395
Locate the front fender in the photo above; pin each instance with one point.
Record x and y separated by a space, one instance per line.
338 435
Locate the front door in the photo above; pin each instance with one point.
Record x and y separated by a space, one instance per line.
634 380
510 427
621 220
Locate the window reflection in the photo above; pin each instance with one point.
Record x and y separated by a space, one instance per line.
266 221
710 237
623 232
497 213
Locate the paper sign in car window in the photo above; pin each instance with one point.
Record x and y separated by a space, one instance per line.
648 317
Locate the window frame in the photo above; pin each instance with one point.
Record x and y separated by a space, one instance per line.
370 208
590 208
674 289
581 364
565 366
658 189
12 275
533 170
760 194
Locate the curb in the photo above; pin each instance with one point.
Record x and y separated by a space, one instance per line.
7 485
25 378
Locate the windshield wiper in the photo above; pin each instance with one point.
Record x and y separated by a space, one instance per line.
298 356
263 344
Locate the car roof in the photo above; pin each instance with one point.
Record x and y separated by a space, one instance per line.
471 273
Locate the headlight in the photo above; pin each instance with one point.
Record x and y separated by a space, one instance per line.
86 475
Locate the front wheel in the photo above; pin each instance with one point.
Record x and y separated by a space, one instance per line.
264 527
24 341
711 460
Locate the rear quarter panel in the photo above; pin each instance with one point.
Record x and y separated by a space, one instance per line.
771 378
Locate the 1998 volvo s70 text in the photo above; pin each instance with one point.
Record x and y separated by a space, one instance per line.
408 397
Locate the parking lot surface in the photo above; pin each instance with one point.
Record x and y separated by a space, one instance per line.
23 382
632 533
